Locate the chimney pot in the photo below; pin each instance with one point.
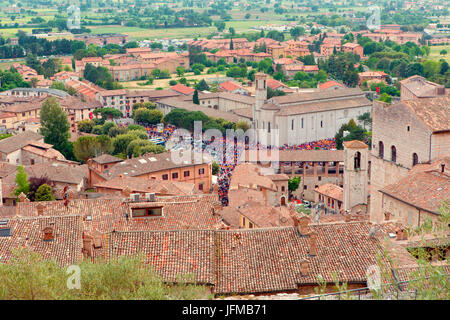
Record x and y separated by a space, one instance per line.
313 243
304 267
48 233
40 209
303 225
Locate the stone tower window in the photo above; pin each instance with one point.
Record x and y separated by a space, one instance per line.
381 149
357 161
393 154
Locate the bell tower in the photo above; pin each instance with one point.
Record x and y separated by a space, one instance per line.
260 90
355 173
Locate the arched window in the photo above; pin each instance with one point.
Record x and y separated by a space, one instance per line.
357 160
381 149
415 159
393 154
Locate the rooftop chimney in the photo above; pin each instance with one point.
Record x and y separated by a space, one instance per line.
304 268
401 234
303 225
312 243
48 233
87 245
40 209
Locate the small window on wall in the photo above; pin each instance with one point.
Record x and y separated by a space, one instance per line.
250 225
186 174
200 187
146 212
201 171
165 176
175 175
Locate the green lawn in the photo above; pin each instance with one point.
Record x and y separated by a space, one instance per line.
435 53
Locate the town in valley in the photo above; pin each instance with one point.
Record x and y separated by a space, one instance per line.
224 150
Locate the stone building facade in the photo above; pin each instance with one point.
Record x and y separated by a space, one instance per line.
405 134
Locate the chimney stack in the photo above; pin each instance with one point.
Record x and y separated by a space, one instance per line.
40 209
401 233
312 243
87 245
303 225
304 268
48 233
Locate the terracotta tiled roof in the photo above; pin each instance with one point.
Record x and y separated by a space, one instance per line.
355 144
147 186
181 88
59 172
425 187
324 105
275 84
249 176
106 158
143 165
229 86
329 84
28 233
263 216
255 260
331 190
433 112
180 212
317 96
17 142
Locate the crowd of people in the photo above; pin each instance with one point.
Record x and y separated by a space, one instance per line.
227 167
154 132
232 151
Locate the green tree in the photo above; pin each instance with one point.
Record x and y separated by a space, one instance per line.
44 193
215 168
21 181
241 124
220 25
195 97
293 184
148 117
202 85
85 126
54 125
180 71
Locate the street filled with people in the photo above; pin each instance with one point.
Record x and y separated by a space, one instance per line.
231 152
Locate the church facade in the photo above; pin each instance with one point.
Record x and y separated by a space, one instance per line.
305 117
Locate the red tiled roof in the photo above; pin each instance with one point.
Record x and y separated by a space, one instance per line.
181 88
329 84
229 86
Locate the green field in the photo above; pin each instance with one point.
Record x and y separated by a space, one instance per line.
140 33
435 50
